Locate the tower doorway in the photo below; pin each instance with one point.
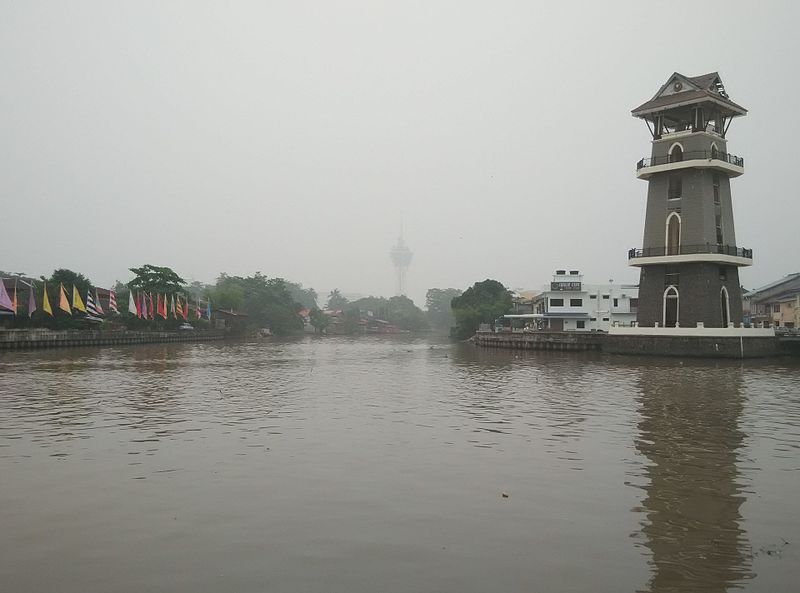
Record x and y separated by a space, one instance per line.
670 312
725 305
673 234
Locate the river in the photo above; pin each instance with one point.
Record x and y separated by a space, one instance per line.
382 465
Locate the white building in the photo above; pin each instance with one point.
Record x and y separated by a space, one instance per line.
568 304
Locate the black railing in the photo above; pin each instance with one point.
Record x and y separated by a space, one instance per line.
692 155
690 250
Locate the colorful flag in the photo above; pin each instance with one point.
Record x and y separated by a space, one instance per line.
14 300
150 313
133 307
163 306
112 302
179 309
63 301
77 303
5 300
97 303
91 308
208 309
46 301
140 306
172 306
197 309
186 309
31 302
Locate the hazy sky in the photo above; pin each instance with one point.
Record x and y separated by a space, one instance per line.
290 137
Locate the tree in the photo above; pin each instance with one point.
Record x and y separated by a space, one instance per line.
320 321
156 279
266 301
336 302
307 297
483 302
437 302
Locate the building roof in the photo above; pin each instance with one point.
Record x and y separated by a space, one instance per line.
768 290
680 90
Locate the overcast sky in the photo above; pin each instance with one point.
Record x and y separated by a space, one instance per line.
291 137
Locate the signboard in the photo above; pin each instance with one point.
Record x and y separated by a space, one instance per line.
565 286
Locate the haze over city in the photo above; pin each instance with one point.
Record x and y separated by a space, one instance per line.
292 139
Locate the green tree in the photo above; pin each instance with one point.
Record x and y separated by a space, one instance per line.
483 302
437 302
336 302
307 297
266 301
156 279
319 320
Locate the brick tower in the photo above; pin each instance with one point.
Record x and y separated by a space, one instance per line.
689 259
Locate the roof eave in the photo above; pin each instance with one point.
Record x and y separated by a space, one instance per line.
736 110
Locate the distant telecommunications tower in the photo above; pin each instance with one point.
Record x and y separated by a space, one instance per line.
401 258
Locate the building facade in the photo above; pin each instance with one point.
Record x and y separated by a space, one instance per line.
777 304
689 258
569 304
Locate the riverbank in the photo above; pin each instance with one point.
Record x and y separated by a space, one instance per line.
29 339
698 346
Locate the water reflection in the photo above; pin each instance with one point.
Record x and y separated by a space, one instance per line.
689 431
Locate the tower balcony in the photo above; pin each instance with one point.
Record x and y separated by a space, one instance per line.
729 164
720 254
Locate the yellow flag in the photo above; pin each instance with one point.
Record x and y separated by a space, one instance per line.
46 302
63 303
77 303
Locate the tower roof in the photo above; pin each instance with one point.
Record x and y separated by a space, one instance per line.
680 91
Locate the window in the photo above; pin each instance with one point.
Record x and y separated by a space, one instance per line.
581 324
605 318
676 154
673 234
605 297
718 220
723 273
593 296
576 302
675 189
556 302
634 304
672 276
592 318
716 189
776 308
616 302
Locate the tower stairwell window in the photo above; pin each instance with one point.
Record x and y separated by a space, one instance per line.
675 187
673 239
675 153
670 311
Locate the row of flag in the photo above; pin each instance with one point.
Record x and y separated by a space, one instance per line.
142 304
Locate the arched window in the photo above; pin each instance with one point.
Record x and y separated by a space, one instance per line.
673 236
670 311
714 151
676 153
725 305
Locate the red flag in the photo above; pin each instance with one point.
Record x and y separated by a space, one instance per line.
151 313
186 311
139 305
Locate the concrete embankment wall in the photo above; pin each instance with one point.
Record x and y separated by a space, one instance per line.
693 346
24 339
655 345
540 340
